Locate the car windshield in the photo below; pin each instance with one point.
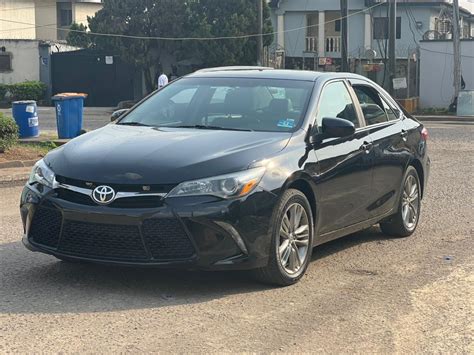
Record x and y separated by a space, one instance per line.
271 105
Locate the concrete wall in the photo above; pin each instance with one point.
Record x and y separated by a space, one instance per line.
82 10
19 11
46 16
436 71
25 61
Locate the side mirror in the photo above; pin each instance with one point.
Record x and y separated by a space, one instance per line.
337 128
117 114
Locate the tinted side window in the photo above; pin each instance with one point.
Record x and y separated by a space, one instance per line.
335 102
371 104
392 116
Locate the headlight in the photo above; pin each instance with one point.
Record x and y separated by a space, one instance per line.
42 174
225 186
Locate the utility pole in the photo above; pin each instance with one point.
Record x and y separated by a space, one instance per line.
260 32
392 30
344 14
456 51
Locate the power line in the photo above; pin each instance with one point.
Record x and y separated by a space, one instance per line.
193 38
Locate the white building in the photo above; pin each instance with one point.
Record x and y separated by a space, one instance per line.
31 30
43 19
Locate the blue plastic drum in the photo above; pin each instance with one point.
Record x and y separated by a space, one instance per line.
25 114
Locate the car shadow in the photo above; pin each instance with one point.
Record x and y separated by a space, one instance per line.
37 283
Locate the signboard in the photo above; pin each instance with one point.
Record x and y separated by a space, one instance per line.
325 61
399 83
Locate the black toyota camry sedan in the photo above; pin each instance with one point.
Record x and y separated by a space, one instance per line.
232 168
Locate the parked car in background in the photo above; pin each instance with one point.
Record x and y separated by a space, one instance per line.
232 168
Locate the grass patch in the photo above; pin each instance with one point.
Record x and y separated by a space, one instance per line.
29 151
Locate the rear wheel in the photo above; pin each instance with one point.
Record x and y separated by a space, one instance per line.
405 221
292 240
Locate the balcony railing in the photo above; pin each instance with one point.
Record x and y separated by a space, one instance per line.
311 44
333 44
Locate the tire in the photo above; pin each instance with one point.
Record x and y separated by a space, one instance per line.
289 258
398 226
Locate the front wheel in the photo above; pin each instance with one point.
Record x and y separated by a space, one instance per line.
292 240
405 221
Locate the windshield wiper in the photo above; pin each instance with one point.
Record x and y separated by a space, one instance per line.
199 126
133 124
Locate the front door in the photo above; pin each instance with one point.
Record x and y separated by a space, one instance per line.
344 176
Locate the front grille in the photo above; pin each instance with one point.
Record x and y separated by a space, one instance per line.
120 242
166 239
163 188
46 226
160 239
127 202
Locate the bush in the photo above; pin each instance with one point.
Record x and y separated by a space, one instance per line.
29 90
3 91
8 133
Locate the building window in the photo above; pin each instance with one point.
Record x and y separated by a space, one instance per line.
337 26
5 62
442 26
64 14
381 28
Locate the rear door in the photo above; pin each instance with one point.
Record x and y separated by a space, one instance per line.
384 124
344 176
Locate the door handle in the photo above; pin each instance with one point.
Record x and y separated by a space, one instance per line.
366 147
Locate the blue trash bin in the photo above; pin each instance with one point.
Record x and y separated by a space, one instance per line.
25 114
69 110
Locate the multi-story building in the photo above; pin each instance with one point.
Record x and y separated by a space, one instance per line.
43 19
311 29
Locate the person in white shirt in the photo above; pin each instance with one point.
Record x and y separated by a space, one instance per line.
162 80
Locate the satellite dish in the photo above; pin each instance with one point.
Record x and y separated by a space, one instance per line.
370 54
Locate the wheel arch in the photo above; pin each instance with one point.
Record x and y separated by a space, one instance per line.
303 185
421 174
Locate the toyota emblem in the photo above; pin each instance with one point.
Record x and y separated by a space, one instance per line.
103 195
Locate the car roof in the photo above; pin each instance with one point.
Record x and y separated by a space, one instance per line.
269 73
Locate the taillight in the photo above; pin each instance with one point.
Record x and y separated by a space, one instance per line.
424 134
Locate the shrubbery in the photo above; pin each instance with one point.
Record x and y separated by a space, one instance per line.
8 132
3 91
29 90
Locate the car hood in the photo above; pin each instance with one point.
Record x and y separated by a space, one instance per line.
146 155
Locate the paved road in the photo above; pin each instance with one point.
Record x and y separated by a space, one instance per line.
94 117
363 293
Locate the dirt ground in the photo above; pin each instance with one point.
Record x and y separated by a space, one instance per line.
363 293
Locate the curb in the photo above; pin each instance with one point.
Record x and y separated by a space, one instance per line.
17 164
13 180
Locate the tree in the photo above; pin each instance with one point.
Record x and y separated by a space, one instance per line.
78 37
176 19
143 18
230 19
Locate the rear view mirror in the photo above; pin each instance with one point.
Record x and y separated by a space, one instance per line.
117 114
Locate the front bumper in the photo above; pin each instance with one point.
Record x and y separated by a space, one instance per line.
194 233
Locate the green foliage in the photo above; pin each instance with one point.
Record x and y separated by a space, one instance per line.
78 39
3 91
178 19
29 90
230 18
8 132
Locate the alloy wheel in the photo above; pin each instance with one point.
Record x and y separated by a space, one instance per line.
410 203
294 239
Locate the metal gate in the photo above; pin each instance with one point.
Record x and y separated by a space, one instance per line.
103 76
